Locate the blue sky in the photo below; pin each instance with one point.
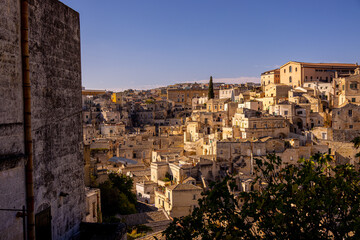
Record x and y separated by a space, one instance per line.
148 43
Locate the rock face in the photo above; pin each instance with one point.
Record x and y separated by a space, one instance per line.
55 74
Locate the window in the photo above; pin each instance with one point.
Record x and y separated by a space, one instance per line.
286 113
290 79
324 136
350 126
284 70
290 69
350 113
311 78
353 99
194 197
353 86
94 209
254 125
296 69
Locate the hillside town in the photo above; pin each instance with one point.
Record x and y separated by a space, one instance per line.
173 141
79 163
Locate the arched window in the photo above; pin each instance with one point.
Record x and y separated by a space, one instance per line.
290 79
290 68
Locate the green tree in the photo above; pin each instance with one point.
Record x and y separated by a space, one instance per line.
311 200
116 196
211 89
356 142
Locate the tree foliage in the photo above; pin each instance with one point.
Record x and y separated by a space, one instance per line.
116 195
356 142
311 200
211 89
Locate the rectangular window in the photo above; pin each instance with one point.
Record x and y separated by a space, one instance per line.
286 113
350 113
353 99
350 126
94 209
324 136
353 86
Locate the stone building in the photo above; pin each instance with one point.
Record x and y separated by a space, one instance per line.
240 155
347 89
256 124
216 105
229 92
270 77
279 91
109 130
178 200
346 117
117 97
182 97
298 116
56 131
145 191
298 73
93 205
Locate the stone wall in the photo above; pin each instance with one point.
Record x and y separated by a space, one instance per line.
55 73
345 135
12 179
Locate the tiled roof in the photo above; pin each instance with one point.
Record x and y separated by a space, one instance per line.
180 187
324 65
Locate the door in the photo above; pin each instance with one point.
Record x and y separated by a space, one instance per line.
43 225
